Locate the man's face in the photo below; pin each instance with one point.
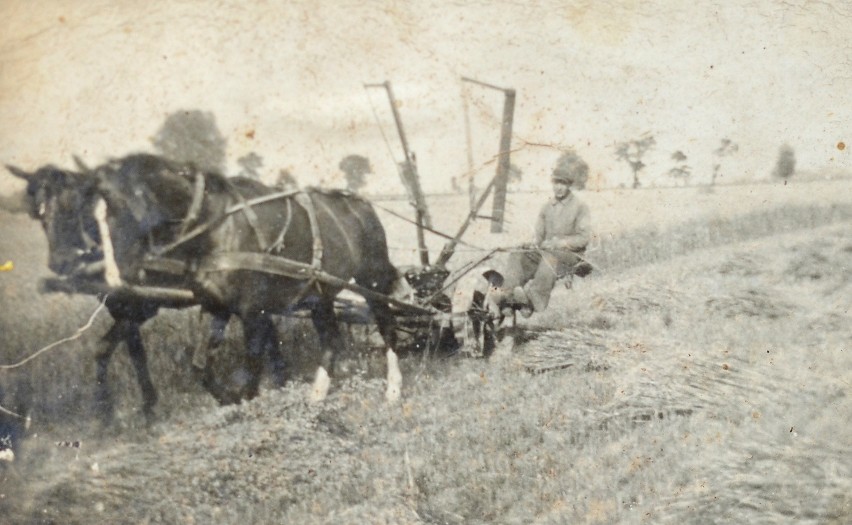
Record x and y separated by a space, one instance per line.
561 189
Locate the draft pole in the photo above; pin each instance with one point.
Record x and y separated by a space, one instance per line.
503 162
410 177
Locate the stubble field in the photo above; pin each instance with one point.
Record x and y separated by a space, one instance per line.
701 375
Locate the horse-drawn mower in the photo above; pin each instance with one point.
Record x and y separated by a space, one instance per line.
143 232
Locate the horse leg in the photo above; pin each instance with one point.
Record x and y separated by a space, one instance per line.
136 350
202 366
103 394
256 330
385 321
331 340
394 388
386 324
272 348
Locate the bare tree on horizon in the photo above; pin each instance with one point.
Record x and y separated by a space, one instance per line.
682 171
726 147
632 151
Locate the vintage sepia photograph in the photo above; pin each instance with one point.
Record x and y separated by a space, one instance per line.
426 262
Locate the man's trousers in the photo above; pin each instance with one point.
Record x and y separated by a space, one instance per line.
537 271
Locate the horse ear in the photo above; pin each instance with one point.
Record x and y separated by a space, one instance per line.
18 172
81 165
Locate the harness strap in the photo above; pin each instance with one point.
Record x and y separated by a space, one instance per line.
251 217
195 205
276 265
278 245
234 208
305 201
164 265
340 226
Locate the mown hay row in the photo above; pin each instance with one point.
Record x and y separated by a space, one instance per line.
555 350
766 481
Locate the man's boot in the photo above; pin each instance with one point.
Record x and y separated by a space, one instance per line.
582 268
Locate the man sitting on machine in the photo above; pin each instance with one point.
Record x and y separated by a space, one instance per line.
562 231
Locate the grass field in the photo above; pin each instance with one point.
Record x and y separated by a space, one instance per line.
670 220
700 376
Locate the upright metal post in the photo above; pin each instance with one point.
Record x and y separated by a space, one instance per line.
502 178
503 163
410 177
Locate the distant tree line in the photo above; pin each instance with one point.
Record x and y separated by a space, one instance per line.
633 152
193 136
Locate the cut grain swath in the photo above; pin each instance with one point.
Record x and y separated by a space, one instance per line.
556 350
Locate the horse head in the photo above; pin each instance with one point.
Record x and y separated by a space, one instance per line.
147 199
62 201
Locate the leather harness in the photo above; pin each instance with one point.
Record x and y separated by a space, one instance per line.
233 260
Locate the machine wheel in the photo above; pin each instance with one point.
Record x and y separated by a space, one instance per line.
478 333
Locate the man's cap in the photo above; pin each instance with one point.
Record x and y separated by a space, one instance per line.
562 176
571 168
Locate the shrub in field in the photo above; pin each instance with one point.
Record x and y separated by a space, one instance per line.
785 166
250 165
192 136
355 168
286 180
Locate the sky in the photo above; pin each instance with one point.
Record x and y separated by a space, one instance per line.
286 80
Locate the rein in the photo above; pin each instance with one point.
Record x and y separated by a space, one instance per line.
428 229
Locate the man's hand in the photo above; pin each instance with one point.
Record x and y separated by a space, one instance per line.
549 244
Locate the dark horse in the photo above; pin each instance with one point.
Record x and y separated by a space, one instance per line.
187 225
63 202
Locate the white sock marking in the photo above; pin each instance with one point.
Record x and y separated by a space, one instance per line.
111 273
394 378
319 390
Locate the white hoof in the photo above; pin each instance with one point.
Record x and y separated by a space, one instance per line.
394 378
319 390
